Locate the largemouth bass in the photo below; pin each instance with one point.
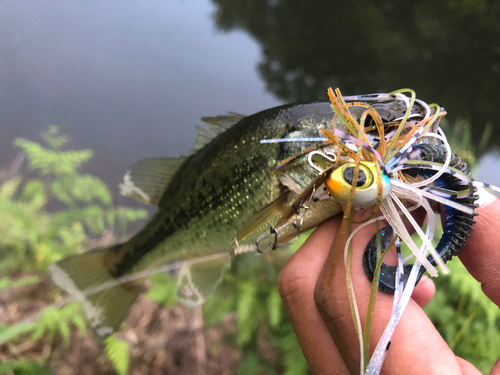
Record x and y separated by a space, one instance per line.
212 204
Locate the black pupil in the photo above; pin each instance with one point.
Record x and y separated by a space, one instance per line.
349 173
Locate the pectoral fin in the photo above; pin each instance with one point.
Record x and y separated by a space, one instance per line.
198 280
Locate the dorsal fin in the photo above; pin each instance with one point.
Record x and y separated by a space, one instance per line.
147 180
223 122
216 126
204 136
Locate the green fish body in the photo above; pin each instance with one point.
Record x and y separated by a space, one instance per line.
219 201
213 203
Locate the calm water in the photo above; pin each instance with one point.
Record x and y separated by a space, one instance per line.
130 79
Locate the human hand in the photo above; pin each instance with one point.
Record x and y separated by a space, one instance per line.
321 315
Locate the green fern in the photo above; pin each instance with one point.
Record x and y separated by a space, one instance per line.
55 321
254 365
293 359
52 162
81 188
6 282
52 137
247 320
117 351
250 290
222 303
14 331
29 234
274 308
24 367
162 290
32 237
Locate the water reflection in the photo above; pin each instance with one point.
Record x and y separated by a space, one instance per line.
131 81
448 52
125 80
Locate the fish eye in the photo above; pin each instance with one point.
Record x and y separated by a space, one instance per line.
339 184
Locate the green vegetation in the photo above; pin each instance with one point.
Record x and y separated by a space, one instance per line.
465 317
53 210
461 312
264 334
57 211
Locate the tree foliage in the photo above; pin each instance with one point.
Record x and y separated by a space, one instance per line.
378 46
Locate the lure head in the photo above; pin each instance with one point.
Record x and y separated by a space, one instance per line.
339 184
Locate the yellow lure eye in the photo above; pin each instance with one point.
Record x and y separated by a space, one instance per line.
339 184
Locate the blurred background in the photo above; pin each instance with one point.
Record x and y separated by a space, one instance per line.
130 80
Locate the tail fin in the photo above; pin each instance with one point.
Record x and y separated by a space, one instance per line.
106 308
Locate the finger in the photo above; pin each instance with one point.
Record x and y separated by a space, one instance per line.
496 368
481 255
296 284
467 367
424 291
416 348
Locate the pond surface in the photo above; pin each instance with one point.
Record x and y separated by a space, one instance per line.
131 79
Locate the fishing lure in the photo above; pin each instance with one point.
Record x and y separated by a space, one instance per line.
416 166
457 225
383 167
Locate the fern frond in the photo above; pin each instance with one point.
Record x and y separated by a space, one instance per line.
251 365
117 351
247 321
163 290
9 188
293 358
53 138
24 367
274 308
33 195
81 188
52 162
121 217
55 321
13 331
6 282
222 303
